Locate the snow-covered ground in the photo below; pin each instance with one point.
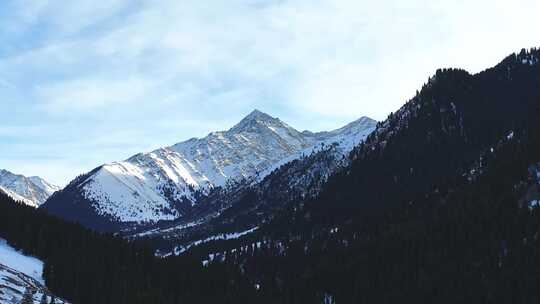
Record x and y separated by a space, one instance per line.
225 236
21 276
14 259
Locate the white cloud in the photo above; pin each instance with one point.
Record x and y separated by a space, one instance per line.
64 17
91 93
174 69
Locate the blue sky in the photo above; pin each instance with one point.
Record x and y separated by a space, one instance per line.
85 82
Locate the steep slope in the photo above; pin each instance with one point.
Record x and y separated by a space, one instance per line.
245 206
167 184
21 278
32 191
435 140
432 141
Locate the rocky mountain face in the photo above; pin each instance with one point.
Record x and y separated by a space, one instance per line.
242 207
32 191
170 183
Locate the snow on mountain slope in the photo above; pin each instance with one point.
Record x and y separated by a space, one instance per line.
44 185
17 197
20 277
32 191
127 192
344 139
162 184
252 145
244 206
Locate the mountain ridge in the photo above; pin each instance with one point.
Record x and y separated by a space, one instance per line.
32 190
165 184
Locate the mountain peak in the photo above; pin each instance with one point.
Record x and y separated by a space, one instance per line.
30 190
258 115
255 120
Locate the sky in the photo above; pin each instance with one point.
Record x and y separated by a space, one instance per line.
87 82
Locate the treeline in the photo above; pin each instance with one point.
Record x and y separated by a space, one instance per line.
87 267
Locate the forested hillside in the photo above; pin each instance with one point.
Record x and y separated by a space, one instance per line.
86 267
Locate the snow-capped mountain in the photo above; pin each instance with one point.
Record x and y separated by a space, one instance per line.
246 205
32 191
166 183
242 208
21 278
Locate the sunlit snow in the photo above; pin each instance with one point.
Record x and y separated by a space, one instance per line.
14 259
144 187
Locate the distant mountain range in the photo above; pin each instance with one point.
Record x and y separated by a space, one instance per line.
32 191
169 183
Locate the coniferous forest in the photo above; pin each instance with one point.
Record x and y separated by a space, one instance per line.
87 267
437 206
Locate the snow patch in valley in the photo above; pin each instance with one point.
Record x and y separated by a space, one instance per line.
159 230
224 236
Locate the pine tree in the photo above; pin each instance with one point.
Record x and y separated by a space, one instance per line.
43 299
28 297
